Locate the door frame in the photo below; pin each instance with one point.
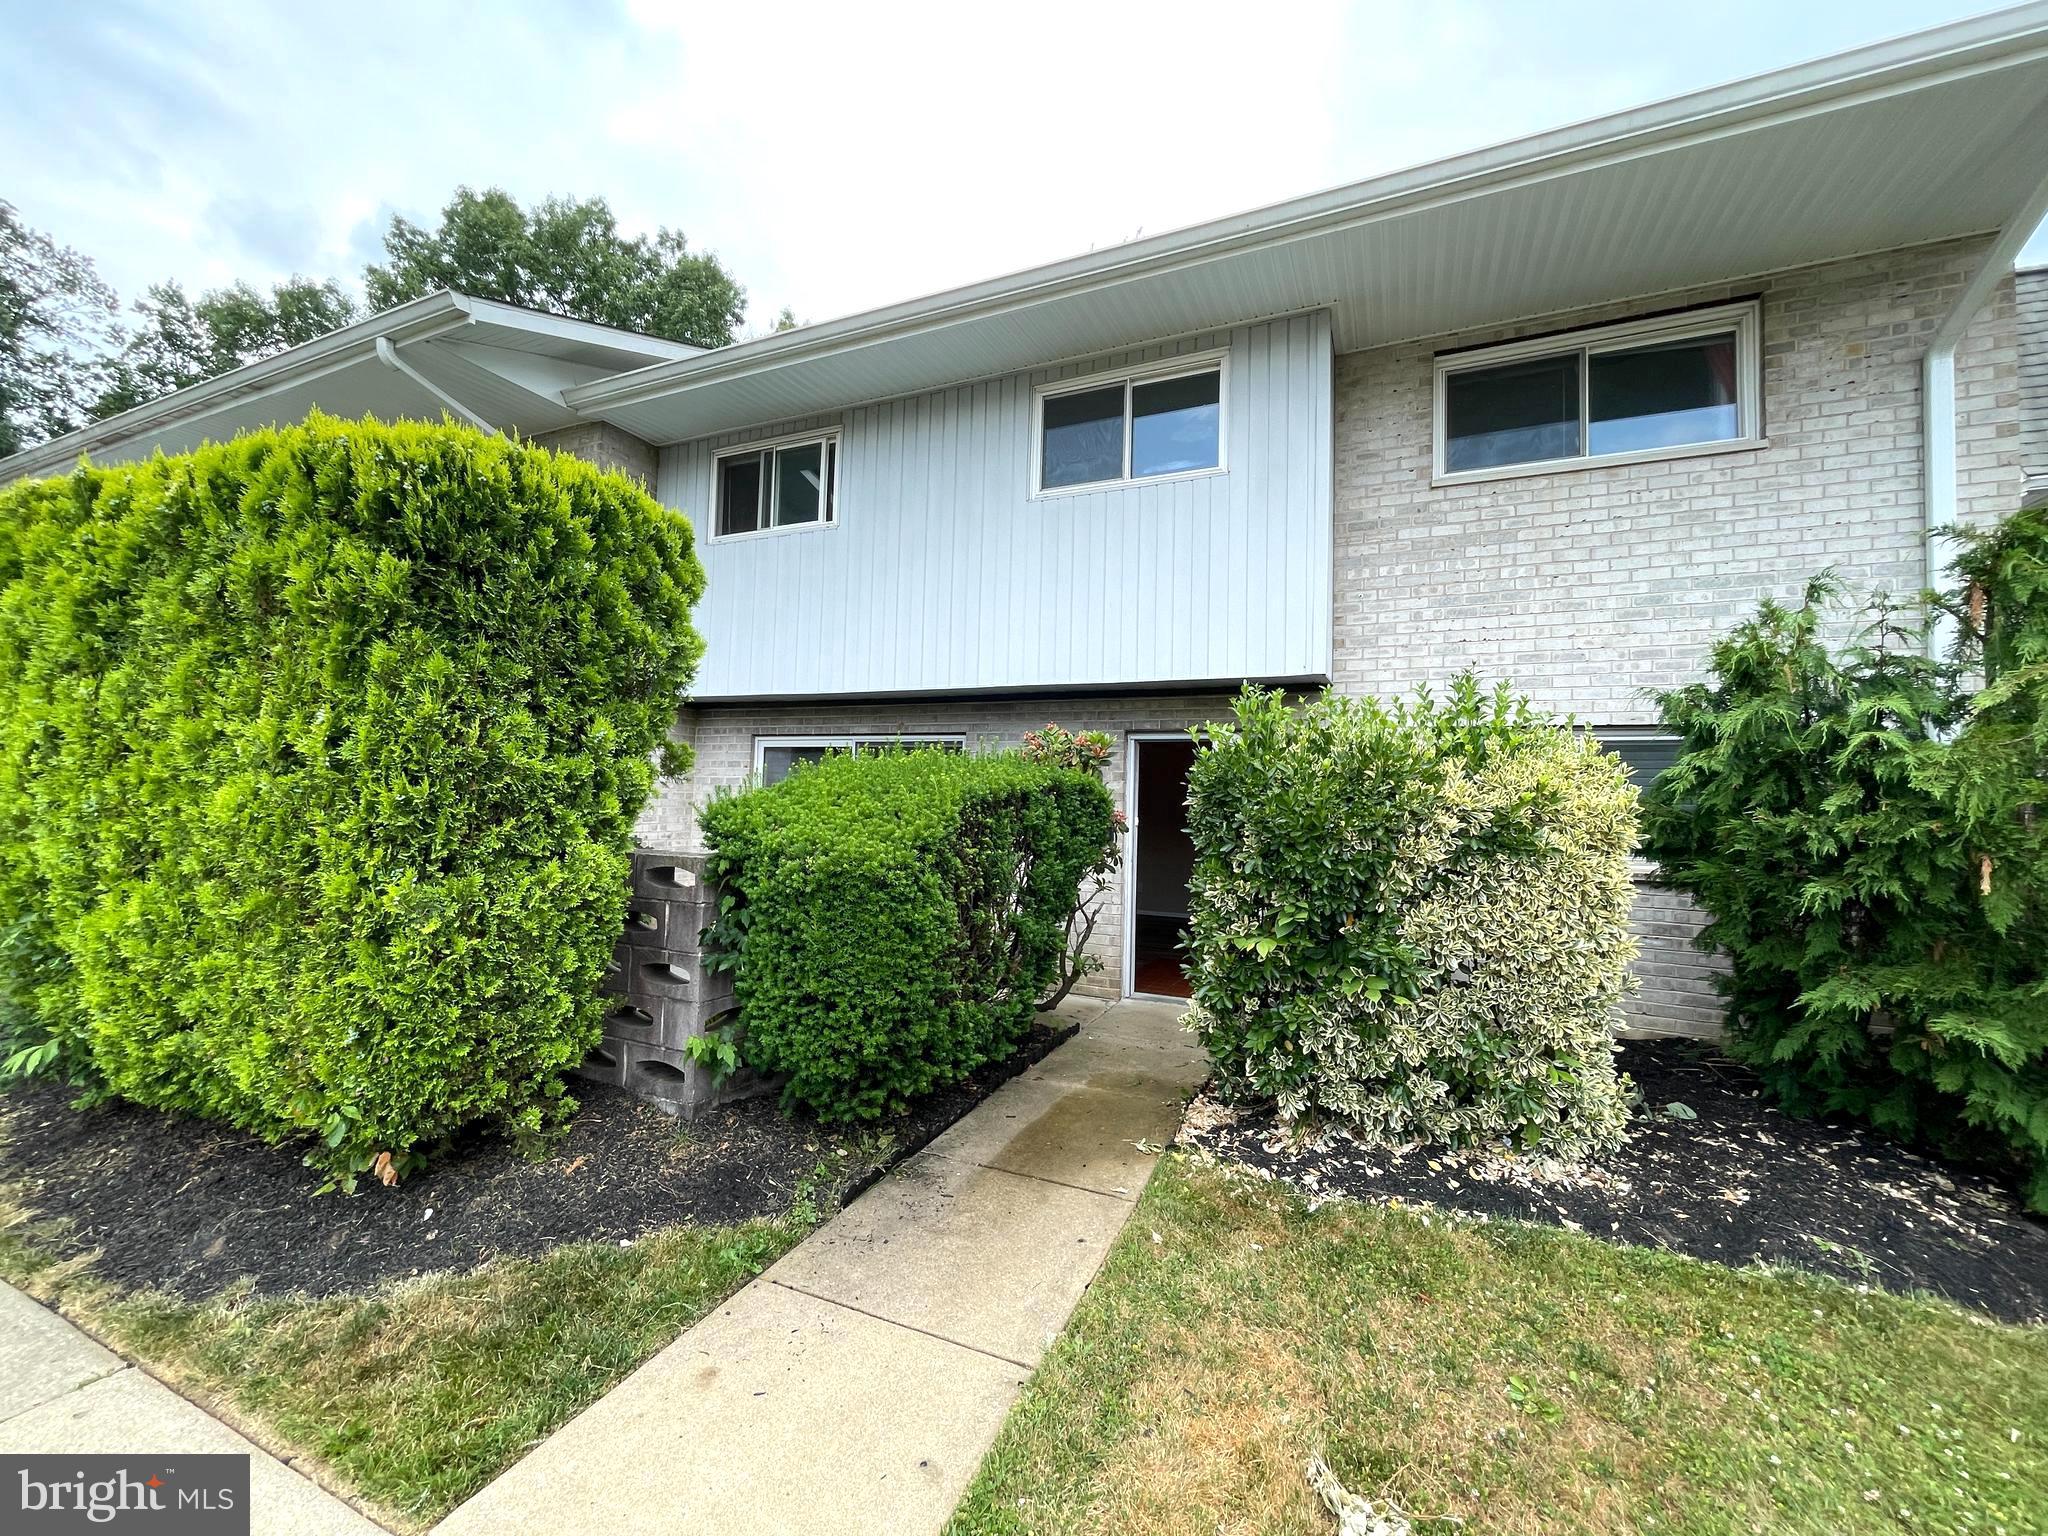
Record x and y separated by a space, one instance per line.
1132 810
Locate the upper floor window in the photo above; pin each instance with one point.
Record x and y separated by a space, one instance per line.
1617 394
788 483
1146 424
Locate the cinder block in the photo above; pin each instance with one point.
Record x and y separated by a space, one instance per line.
673 973
605 1064
668 1078
676 1019
631 1021
659 875
654 924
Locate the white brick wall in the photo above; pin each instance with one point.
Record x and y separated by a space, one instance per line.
1674 979
1589 587
606 446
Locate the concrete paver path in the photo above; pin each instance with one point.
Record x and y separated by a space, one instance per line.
61 1392
855 1385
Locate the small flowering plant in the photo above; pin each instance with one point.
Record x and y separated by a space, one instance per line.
1068 749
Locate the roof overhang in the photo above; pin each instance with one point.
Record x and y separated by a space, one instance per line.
1936 135
497 362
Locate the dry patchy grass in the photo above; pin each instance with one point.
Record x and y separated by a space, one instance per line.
1502 1379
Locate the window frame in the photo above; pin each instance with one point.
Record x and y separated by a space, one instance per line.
1607 738
1744 318
1185 365
853 741
826 438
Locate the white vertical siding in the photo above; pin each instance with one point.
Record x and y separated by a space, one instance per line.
944 574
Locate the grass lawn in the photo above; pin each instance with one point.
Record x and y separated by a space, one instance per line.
417 1394
1492 1378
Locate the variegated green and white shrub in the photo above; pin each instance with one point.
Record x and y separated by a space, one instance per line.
1414 917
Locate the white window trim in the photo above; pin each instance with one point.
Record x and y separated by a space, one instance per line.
1186 364
1743 318
852 740
820 436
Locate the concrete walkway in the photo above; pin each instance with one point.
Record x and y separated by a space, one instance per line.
856 1384
62 1392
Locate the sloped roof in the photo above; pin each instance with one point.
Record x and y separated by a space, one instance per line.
506 364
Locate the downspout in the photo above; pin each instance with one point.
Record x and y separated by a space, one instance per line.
388 354
1938 382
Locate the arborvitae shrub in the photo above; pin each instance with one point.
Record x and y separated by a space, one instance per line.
1413 917
319 756
891 918
1869 839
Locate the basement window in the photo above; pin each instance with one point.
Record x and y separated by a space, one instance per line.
1156 423
775 756
1661 388
787 483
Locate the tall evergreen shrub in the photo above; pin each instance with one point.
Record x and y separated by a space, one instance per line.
319 756
1864 828
891 918
1413 917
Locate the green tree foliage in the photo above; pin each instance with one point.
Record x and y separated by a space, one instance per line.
319 757
56 317
1414 917
566 256
891 918
179 341
1865 835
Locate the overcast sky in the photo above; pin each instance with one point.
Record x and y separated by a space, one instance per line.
836 157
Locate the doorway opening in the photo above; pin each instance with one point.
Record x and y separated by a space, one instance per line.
1162 861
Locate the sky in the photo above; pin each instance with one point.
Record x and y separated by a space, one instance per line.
835 157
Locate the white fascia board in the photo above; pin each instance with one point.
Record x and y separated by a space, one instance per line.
1998 40
583 332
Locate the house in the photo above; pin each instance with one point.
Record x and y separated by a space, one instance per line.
1560 410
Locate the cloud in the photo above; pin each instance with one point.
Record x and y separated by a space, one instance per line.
837 157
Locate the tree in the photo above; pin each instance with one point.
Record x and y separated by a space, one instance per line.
55 316
181 342
565 256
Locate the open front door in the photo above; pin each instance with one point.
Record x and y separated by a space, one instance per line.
1162 860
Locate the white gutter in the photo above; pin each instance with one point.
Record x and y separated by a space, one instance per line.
387 354
1938 380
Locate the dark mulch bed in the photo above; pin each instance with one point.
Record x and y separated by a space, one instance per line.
188 1207
1742 1183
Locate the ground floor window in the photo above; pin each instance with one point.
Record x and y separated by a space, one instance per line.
774 756
1646 750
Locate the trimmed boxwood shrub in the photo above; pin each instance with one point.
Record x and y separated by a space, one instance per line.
891 918
1413 917
319 756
